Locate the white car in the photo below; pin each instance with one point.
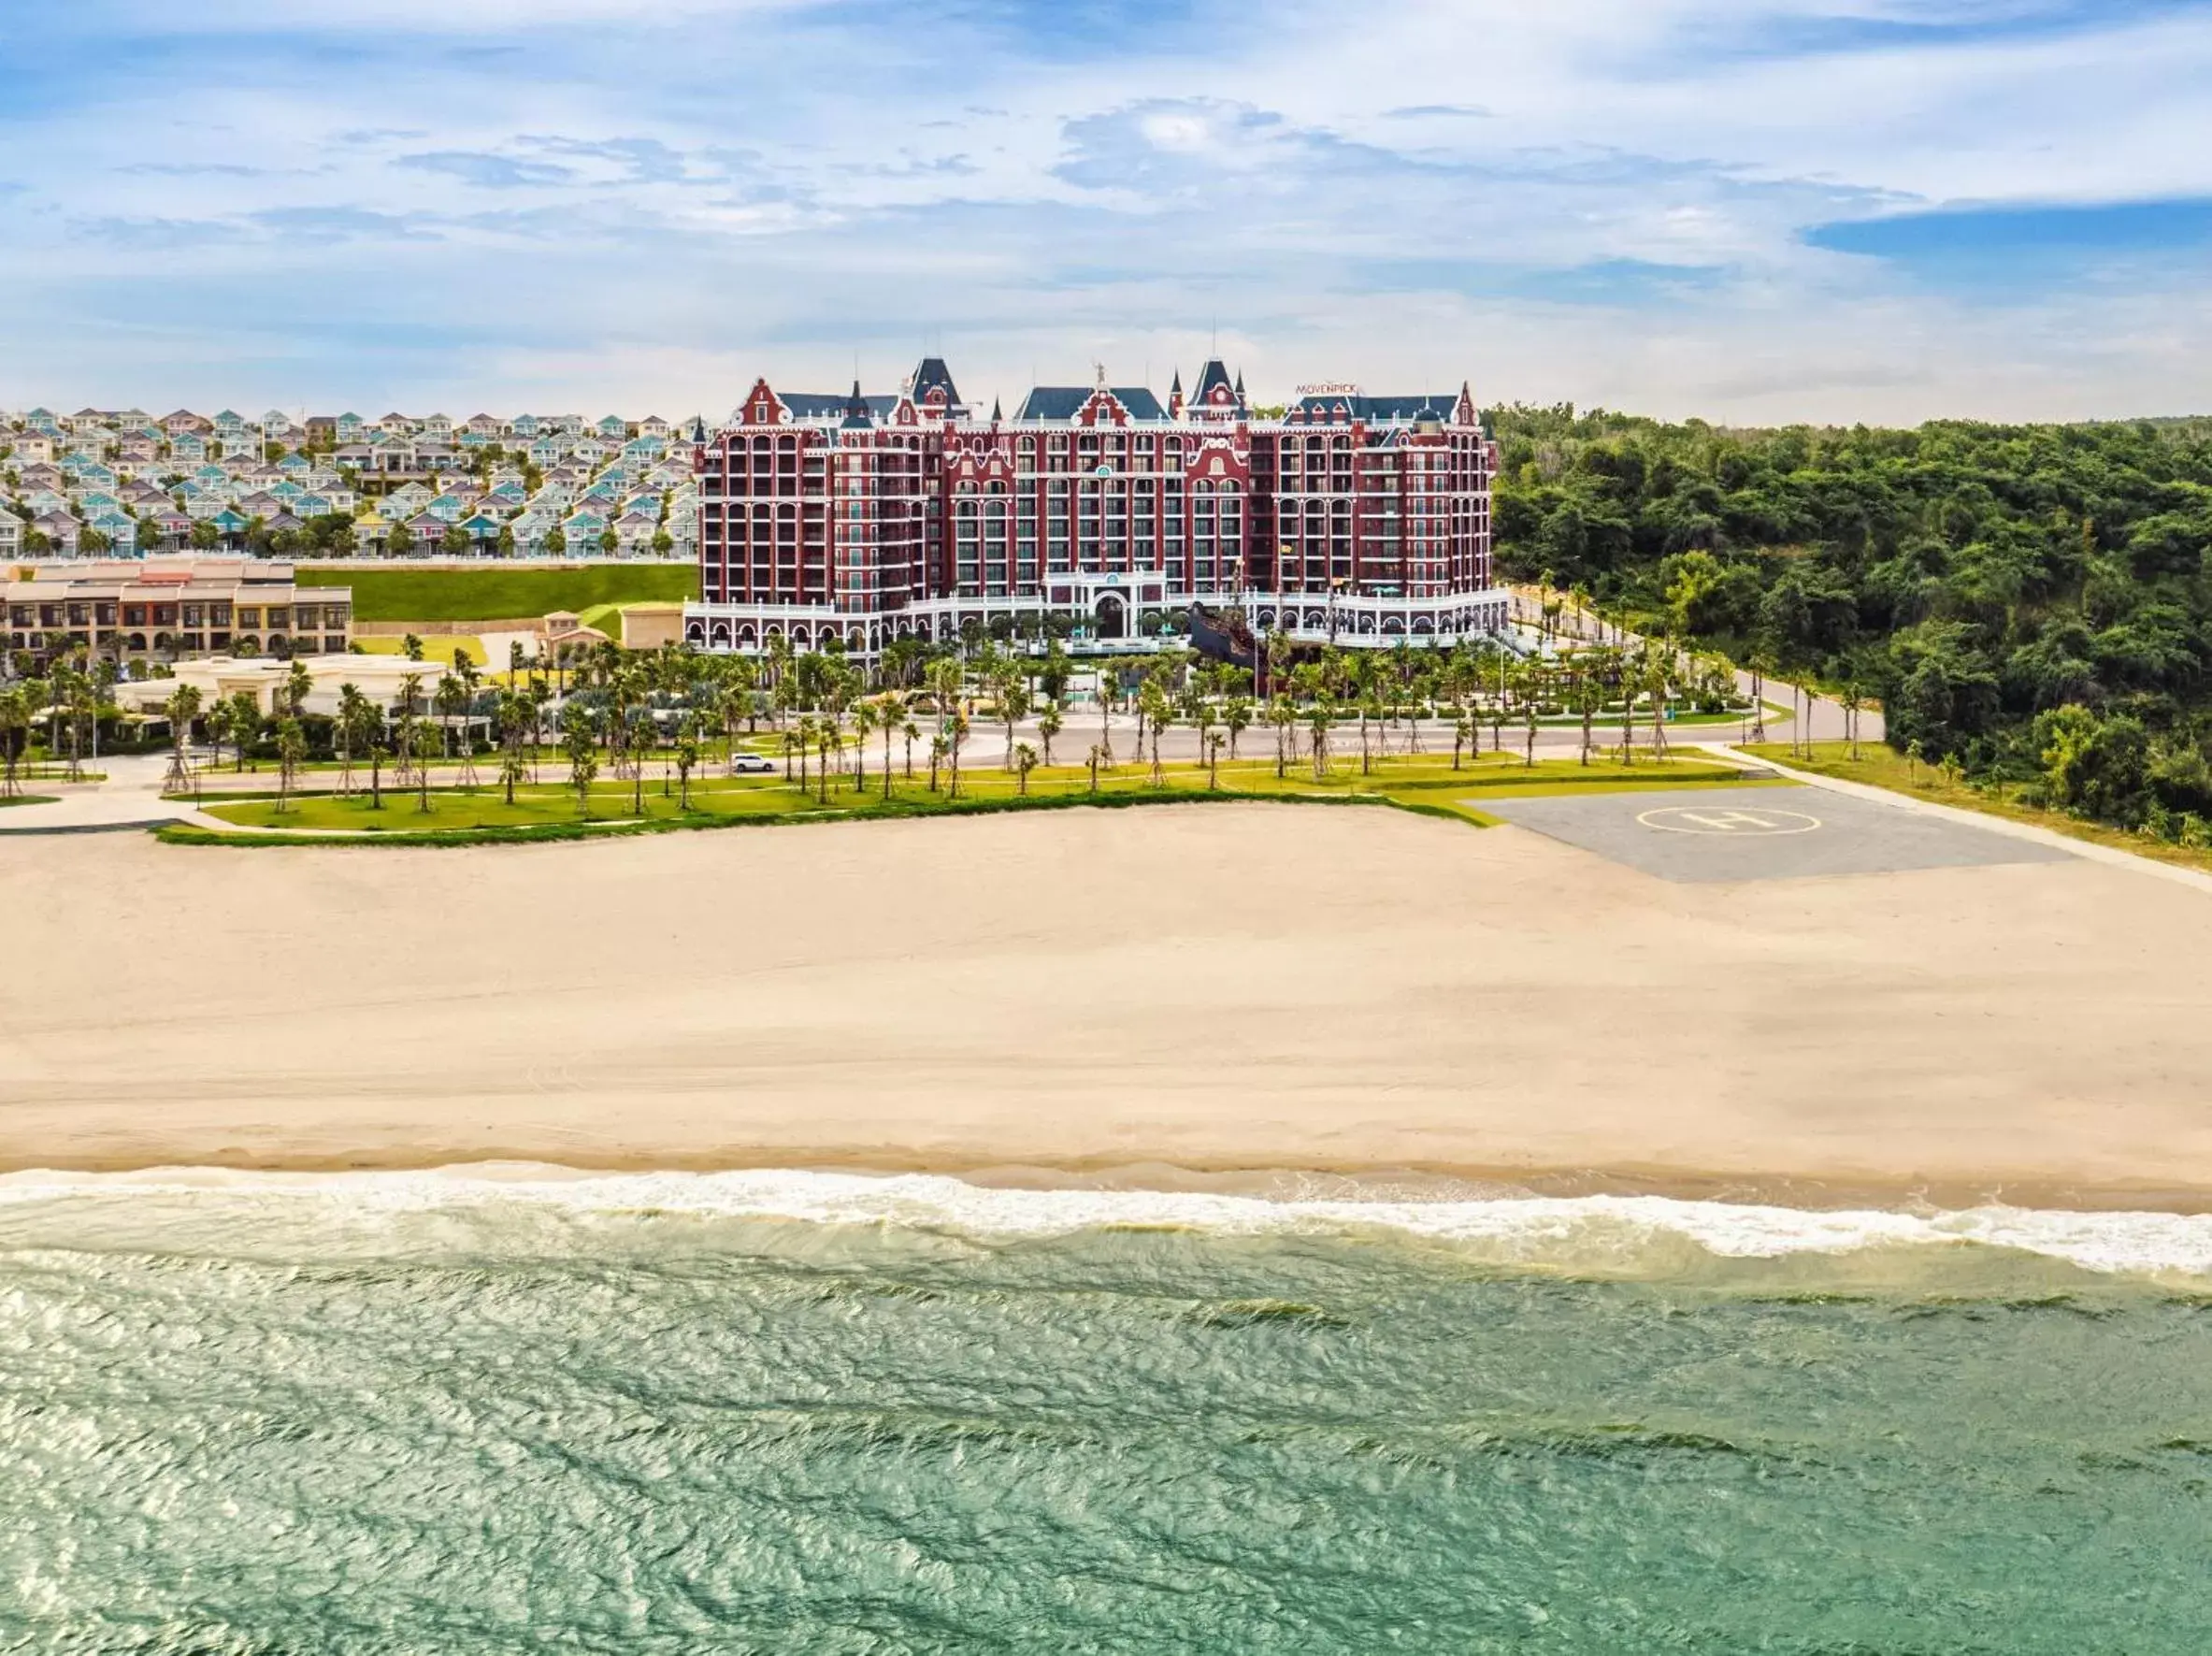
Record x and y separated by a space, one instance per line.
752 765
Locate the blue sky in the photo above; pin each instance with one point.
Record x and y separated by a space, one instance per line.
1748 209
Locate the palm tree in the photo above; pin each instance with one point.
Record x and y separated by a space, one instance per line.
1657 666
292 747
1153 709
421 746
580 742
890 716
1629 670
910 732
1013 703
1048 726
1321 712
801 737
1236 714
1283 715
76 688
245 723
1198 712
688 755
732 704
956 732
452 699
15 726
346 728
1762 663
863 726
411 692
1589 693
944 679
182 707
1214 742
515 715
1024 761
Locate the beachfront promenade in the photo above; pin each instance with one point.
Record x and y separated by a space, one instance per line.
132 794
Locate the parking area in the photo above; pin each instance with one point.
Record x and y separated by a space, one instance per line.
1768 833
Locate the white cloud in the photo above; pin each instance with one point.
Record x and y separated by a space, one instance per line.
1599 201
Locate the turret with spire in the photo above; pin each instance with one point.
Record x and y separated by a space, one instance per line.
1175 397
1216 397
857 417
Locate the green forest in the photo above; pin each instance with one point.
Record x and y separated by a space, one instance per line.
2032 604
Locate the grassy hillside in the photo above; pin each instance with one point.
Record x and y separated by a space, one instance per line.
484 595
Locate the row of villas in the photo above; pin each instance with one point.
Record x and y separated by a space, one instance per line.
1360 519
123 483
133 610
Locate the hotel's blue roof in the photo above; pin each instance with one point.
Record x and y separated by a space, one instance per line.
1064 402
1376 409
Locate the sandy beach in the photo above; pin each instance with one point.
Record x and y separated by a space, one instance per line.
1219 988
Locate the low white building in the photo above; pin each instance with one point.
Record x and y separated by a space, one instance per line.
379 678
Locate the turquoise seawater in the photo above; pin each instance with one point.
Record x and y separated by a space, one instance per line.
794 1414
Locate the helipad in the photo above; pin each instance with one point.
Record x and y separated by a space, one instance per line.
1766 833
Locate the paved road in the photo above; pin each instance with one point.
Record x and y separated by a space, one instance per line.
130 797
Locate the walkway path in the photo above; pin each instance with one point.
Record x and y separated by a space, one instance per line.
130 797
1827 722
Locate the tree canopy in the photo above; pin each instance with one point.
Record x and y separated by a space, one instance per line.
1978 579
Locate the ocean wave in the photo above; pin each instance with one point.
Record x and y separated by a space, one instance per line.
1590 1232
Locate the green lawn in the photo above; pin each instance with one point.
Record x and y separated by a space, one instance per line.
438 647
1427 785
502 594
1880 766
27 799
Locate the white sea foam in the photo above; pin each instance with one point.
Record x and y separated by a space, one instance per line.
1530 1229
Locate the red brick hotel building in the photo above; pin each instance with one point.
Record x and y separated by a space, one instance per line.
1365 519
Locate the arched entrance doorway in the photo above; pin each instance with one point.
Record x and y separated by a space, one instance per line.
1111 614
